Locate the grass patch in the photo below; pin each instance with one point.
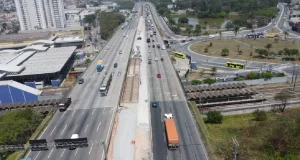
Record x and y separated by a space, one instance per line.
252 136
20 154
232 46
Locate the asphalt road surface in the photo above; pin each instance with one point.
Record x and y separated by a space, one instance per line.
168 92
90 115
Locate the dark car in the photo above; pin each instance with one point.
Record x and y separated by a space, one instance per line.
153 46
152 40
162 59
81 80
149 62
154 104
115 65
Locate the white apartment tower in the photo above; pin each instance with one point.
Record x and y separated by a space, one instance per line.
40 14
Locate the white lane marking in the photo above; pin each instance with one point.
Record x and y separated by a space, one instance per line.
103 111
50 153
73 112
86 128
63 114
98 126
93 111
63 130
74 129
91 148
52 131
76 151
37 155
63 153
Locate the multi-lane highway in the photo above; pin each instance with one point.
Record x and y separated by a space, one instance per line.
91 115
168 92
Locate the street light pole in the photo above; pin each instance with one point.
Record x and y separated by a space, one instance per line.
104 149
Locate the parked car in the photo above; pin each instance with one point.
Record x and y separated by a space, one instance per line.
116 65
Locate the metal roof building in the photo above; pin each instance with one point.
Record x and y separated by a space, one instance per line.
35 62
14 92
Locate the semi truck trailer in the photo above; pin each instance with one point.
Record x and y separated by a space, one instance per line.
171 132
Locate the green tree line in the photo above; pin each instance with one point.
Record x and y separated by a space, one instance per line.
109 22
17 126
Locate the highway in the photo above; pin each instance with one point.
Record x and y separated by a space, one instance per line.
89 114
168 92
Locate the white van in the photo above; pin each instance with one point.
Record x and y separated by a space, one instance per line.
163 47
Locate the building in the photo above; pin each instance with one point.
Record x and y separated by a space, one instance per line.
14 92
40 14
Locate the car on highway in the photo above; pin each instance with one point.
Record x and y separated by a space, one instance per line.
139 38
81 80
162 59
154 104
149 51
149 62
158 75
153 46
158 45
163 47
120 52
149 45
156 59
152 40
149 58
116 65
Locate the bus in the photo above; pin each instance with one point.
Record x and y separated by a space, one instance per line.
105 85
235 65
180 55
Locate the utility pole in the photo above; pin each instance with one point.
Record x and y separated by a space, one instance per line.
236 145
295 82
105 151
293 73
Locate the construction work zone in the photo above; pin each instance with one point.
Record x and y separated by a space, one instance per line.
130 93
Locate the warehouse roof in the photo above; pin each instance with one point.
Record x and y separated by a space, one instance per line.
28 61
21 87
50 61
68 39
201 88
43 42
24 36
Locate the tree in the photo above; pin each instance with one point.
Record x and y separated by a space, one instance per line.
213 70
87 61
261 52
268 47
214 117
236 30
198 29
229 25
260 115
196 82
188 31
267 75
285 34
183 19
253 75
283 96
89 18
209 81
225 52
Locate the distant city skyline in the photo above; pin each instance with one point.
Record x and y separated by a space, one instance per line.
40 14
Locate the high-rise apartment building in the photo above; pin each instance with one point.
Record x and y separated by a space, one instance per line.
40 14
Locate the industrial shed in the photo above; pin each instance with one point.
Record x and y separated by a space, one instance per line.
14 92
